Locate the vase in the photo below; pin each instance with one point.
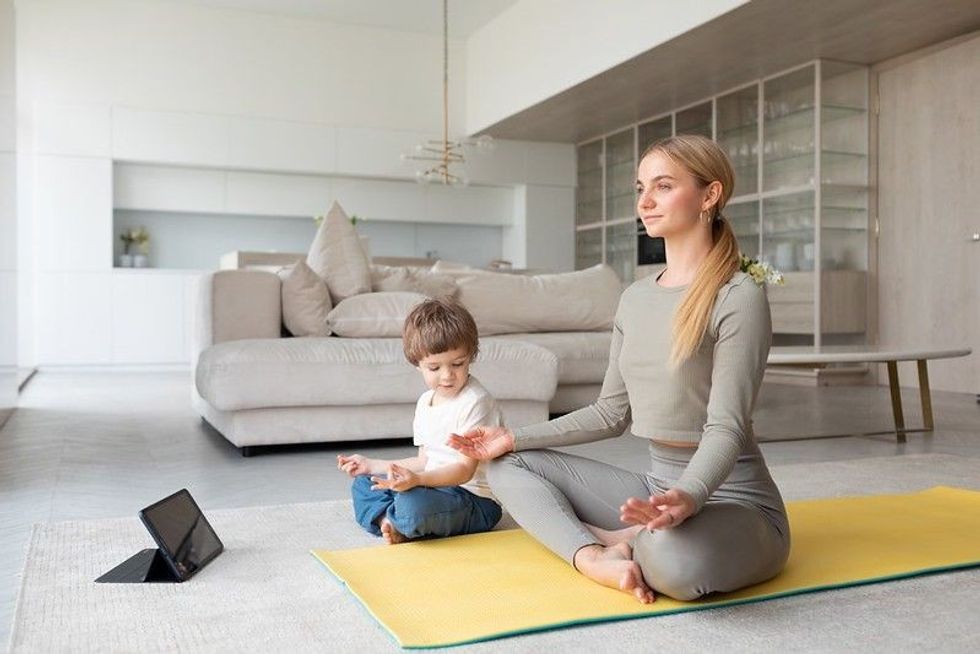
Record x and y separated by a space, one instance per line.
141 261
125 261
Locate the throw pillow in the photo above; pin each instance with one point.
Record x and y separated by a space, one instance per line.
415 280
305 301
373 315
503 303
337 256
443 266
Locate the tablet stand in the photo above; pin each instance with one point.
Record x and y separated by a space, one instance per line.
147 566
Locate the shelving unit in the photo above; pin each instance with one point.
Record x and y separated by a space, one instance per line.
798 143
588 192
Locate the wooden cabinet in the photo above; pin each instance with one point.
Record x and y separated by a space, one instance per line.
843 297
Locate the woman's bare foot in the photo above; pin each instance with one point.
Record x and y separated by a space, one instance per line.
613 567
391 535
614 537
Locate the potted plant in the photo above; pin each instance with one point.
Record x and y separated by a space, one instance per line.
126 259
141 238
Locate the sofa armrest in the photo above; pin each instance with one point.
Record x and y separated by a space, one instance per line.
236 304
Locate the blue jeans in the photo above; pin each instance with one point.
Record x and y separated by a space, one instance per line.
423 511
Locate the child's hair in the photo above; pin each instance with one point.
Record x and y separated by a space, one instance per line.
436 326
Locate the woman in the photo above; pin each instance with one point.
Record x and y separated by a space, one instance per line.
707 517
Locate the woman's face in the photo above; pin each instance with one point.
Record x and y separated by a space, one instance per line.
669 199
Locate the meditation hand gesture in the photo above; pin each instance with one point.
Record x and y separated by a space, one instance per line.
399 479
664 511
483 443
355 464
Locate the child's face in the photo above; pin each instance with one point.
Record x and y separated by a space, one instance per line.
446 373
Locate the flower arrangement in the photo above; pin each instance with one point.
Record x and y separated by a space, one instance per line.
141 238
138 236
127 240
760 271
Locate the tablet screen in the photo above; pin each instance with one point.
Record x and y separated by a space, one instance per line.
182 532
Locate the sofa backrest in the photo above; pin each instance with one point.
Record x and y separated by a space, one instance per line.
236 304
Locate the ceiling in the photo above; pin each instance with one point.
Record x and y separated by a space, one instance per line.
424 16
757 39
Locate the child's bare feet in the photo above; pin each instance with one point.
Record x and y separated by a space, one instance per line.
391 535
613 567
615 536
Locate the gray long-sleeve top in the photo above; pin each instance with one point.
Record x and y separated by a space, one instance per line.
708 400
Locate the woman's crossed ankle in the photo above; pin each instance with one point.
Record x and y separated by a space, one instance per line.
614 567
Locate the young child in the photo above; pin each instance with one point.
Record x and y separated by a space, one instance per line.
438 492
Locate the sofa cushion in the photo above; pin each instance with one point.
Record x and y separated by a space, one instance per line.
337 256
582 356
373 315
305 301
503 303
416 280
443 266
261 373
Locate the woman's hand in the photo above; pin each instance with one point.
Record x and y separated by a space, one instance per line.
399 479
483 443
664 511
355 464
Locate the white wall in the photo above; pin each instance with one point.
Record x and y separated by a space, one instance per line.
8 215
538 48
191 58
212 112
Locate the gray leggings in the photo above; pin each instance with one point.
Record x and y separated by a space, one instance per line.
740 537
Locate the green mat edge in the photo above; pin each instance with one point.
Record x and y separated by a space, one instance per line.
685 609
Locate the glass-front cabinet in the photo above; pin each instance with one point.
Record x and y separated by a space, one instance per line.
621 248
738 135
695 120
620 175
814 213
744 217
588 248
652 131
606 230
588 192
798 143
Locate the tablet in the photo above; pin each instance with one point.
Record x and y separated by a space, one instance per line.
185 538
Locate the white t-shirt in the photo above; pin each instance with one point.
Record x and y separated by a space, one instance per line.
473 406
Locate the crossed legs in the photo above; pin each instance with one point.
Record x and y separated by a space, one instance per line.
571 505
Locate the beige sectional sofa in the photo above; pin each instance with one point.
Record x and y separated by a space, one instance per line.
258 387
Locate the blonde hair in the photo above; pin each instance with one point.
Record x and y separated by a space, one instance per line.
707 163
436 326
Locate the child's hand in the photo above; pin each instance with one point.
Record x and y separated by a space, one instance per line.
399 479
354 465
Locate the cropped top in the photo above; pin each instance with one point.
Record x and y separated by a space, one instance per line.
707 400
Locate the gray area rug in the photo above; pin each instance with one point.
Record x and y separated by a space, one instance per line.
267 593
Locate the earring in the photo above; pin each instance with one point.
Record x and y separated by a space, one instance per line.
704 216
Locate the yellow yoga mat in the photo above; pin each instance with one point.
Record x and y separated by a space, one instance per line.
459 590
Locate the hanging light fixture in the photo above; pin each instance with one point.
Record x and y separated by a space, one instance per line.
442 154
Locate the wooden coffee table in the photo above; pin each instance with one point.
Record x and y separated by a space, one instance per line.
827 355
